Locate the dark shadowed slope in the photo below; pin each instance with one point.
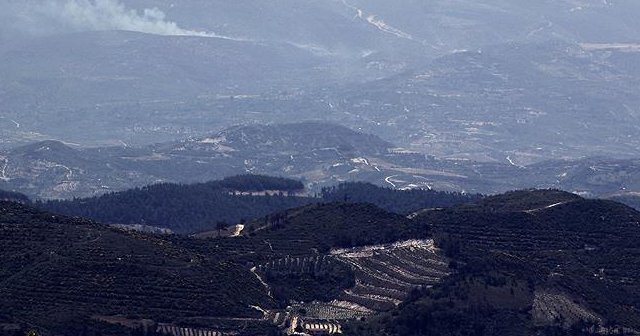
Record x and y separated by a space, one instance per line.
58 272
582 248
202 207
190 208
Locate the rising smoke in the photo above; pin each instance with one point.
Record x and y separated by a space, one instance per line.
51 16
113 15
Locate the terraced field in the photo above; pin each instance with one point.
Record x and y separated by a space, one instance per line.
298 265
384 277
586 249
551 307
569 258
385 274
172 330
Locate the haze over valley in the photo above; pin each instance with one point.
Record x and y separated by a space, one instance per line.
319 167
449 80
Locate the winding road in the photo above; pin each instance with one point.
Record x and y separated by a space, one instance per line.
388 180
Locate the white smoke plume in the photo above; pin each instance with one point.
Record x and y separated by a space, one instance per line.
113 15
37 17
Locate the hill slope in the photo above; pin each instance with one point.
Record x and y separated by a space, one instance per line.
58 272
189 208
587 248
522 263
319 152
201 207
529 266
61 274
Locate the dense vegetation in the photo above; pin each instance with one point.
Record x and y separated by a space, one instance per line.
465 304
475 302
201 207
186 208
506 251
56 272
93 270
632 201
260 183
13 196
325 285
398 201
335 225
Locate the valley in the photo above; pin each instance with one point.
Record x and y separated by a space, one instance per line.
466 99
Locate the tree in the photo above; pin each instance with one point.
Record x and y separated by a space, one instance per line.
221 225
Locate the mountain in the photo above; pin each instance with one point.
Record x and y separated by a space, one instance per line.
59 273
51 169
600 176
530 262
523 263
189 208
9 196
326 226
329 263
398 201
319 154
630 200
142 88
458 80
378 145
102 279
116 81
485 104
296 138
471 24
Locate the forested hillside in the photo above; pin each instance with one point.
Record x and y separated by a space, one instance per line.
327 226
398 201
56 273
187 208
13 196
535 263
68 276
202 207
631 200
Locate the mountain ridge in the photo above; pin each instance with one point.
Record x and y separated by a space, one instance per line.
514 256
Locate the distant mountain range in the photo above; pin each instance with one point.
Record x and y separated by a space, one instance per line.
319 154
495 81
513 103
